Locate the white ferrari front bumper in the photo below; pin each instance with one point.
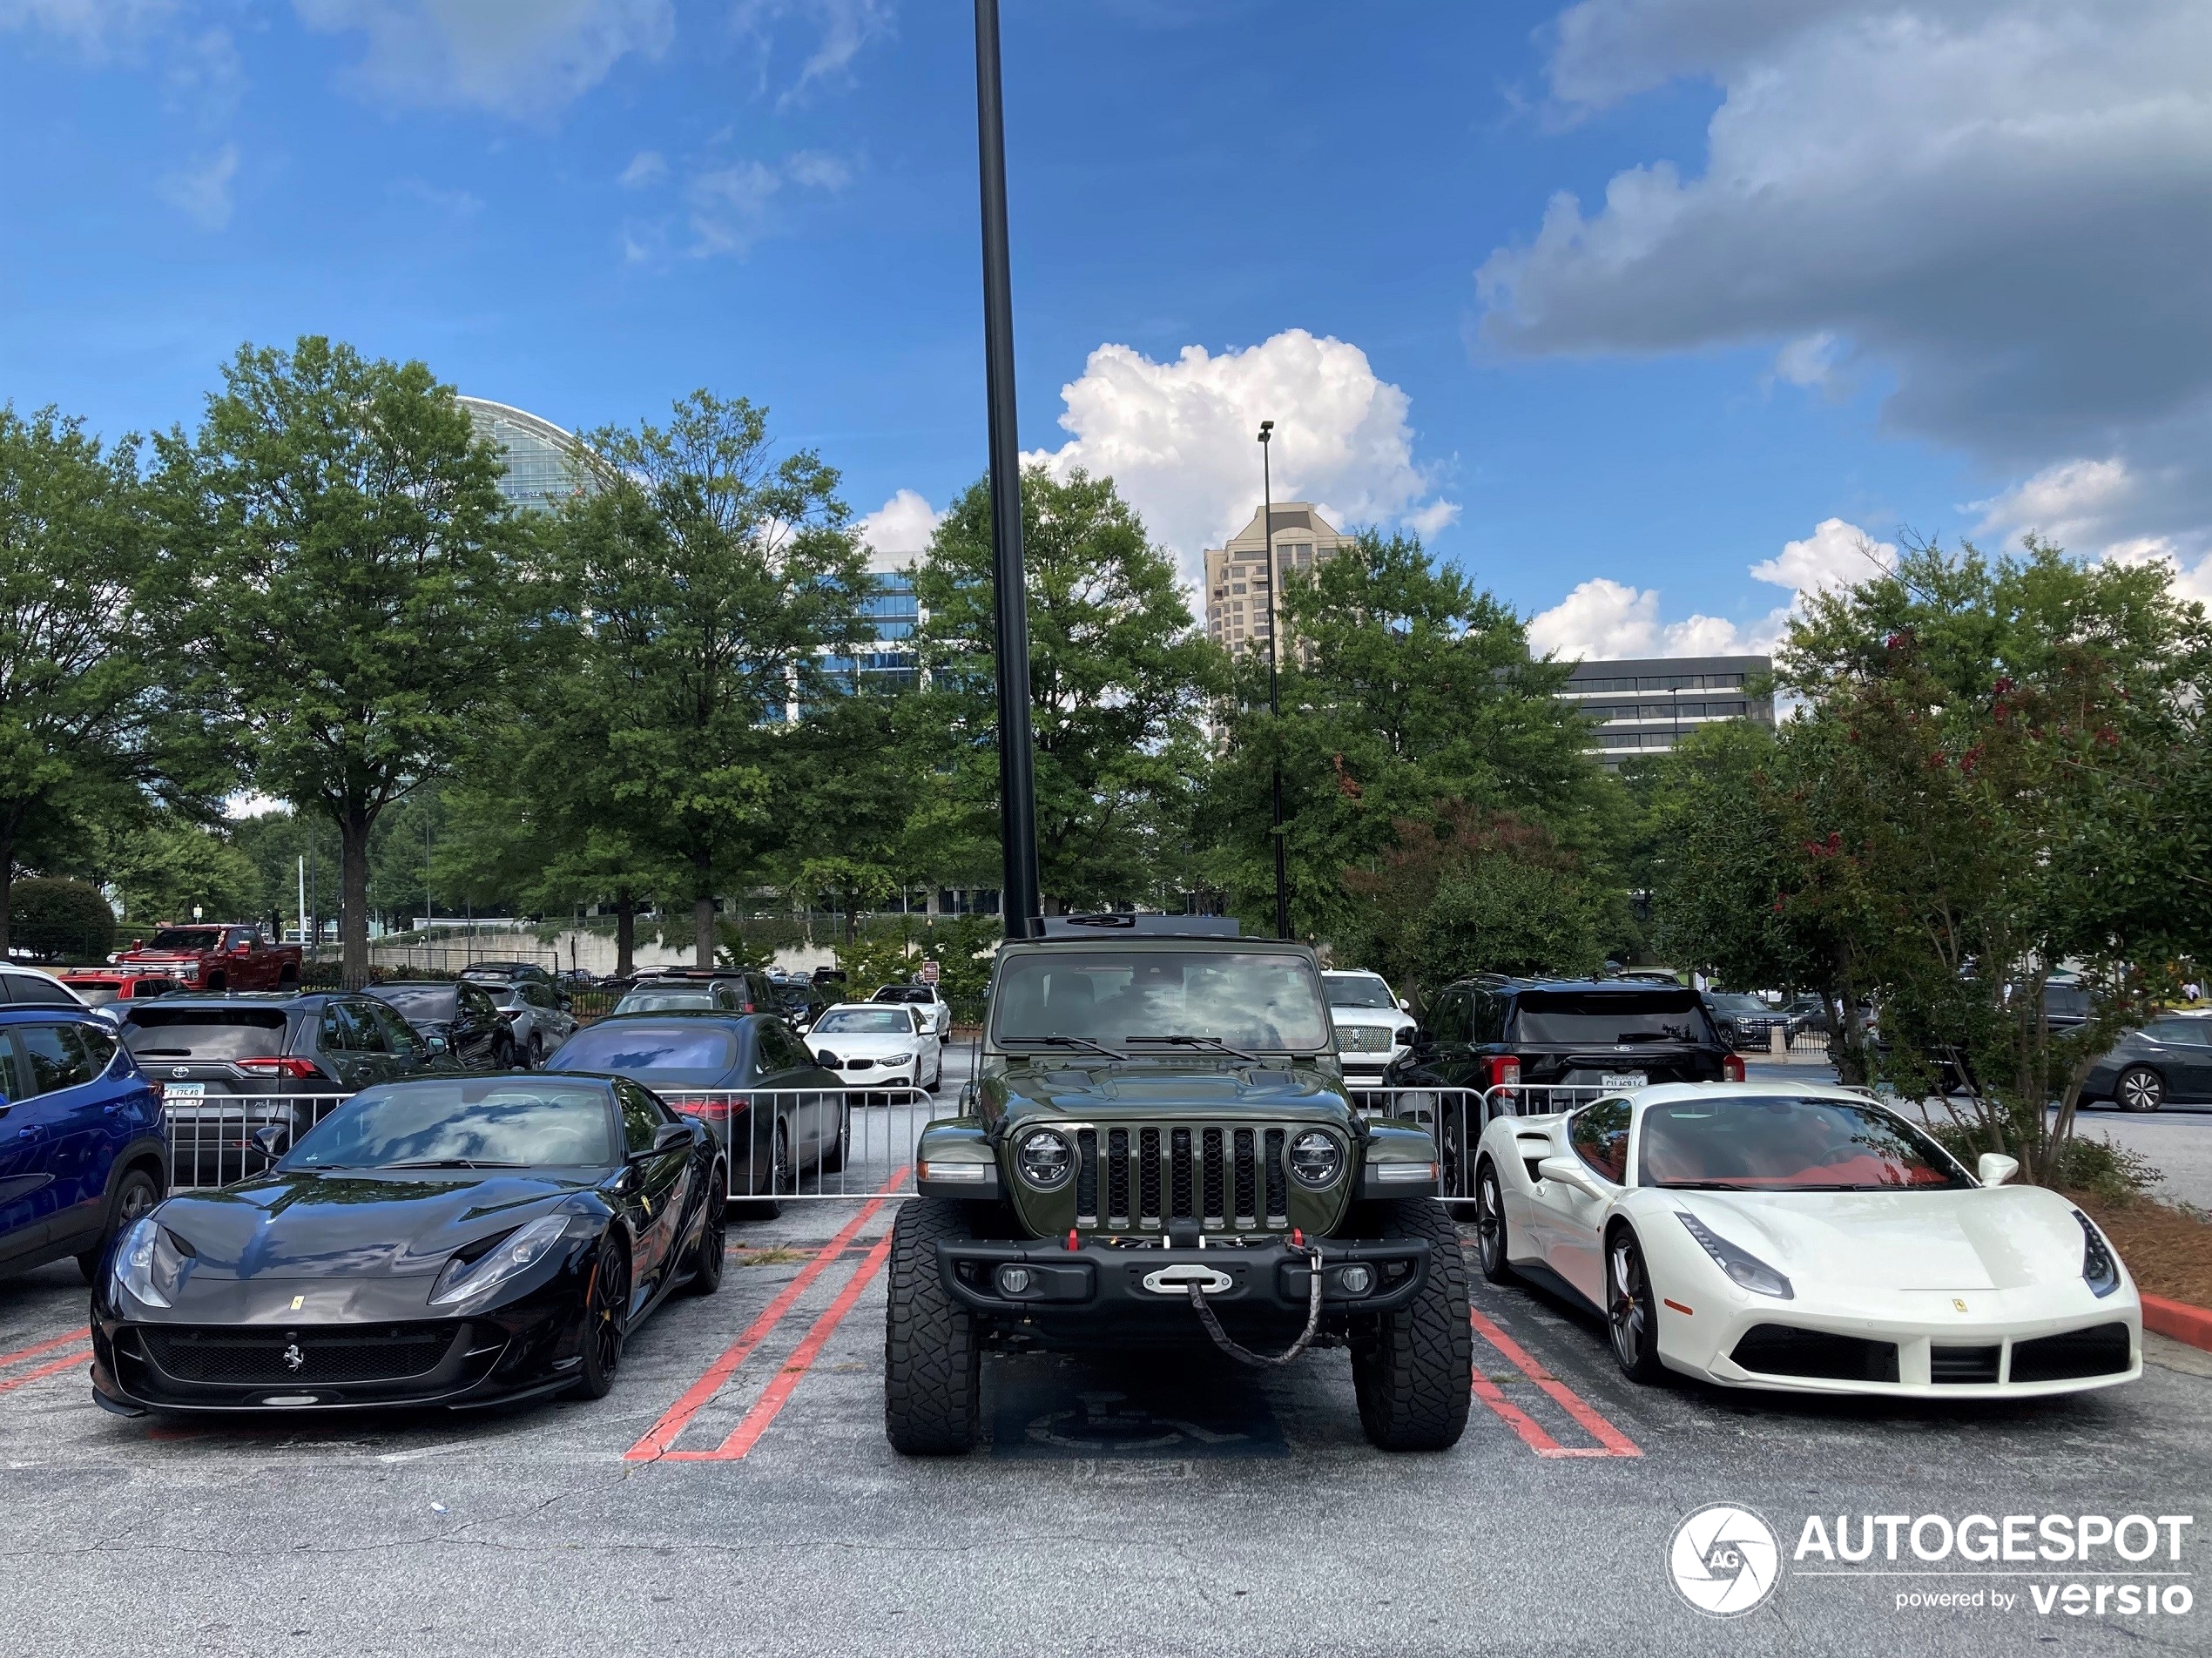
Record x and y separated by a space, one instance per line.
1970 1353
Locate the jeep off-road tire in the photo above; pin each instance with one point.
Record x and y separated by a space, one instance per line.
1414 1375
931 1361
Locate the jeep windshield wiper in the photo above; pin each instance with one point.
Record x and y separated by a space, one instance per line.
1083 1042
1213 1043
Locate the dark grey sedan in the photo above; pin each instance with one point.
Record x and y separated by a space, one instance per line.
2169 1061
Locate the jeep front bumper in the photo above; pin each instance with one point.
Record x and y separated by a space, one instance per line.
1099 1281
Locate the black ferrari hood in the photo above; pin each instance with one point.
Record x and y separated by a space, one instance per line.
356 1223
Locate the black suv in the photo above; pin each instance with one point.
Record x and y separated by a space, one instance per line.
1570 1038
229 1067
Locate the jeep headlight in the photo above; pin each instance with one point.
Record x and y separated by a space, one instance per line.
1317 1159
1046 1160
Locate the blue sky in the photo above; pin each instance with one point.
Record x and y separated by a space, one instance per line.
1817 281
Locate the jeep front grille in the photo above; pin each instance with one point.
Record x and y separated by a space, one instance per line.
1226 1178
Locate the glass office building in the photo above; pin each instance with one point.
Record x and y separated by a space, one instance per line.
541 457
895 613
1646 707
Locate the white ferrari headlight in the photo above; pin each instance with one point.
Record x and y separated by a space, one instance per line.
2099 1269
1741 1266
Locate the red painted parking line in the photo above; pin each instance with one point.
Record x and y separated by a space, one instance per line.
1611 1442
660 1439
67 1361
22 1354
756 1420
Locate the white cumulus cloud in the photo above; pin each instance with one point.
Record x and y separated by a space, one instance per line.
902 524
1997 203
1178 438
1604 620
202 193
527 58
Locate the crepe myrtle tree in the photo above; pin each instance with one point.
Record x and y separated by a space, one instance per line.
359 592
2016 722
709 584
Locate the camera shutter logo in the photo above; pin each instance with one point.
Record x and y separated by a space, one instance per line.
1724 1560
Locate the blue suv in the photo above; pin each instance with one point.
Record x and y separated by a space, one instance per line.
84 1149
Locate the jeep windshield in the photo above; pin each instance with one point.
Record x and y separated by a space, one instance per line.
1255 1000
1571 1018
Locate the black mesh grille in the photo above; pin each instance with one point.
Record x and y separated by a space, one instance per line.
1214 1214
1117 1177
1962 1364
2102 1351
1278 1196
349 1353
1181 1181
1087 1177
1778 1350
1247 1198
1149 1172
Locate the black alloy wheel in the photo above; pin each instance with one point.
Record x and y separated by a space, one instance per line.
713 1247
833 1161
534 1059
783 1180
1490 1225
2140 1088
1631 1309
136 1195
503 1052
606 1320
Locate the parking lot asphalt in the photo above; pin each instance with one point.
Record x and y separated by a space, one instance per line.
735 1494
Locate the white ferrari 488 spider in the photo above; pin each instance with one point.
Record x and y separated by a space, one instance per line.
1762 1234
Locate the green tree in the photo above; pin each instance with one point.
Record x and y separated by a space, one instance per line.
1401 686
1118 680
61 919
80 674
1460 892
704 586
362 591
164 867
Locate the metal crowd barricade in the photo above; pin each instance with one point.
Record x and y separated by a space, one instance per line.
212 1137
1456 1117
786 1144
791 1145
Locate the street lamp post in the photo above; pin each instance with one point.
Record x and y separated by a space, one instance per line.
1274 691
1018 906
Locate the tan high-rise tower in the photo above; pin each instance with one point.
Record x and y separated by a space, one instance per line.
1241 583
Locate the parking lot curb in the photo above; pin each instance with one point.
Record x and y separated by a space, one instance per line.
2178 1319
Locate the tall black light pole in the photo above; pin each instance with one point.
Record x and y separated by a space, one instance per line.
1274 692
1019 906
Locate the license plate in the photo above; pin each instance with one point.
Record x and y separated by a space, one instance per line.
183 1090
1622 1079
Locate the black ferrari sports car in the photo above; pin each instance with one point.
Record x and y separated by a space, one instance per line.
454 1241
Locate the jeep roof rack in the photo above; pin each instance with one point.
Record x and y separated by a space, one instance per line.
1156 926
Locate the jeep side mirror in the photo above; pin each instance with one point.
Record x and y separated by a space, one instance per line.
1995 1169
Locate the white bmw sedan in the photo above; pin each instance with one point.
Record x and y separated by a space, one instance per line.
1806 1239
877 1044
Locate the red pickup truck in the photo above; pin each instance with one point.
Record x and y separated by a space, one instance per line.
215 956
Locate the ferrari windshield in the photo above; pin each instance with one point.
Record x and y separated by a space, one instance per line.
1156 1001
499 1122
1747 1144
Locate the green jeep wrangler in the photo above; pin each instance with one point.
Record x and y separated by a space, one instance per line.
1158 1150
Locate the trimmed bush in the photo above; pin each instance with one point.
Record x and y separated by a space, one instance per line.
60 920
